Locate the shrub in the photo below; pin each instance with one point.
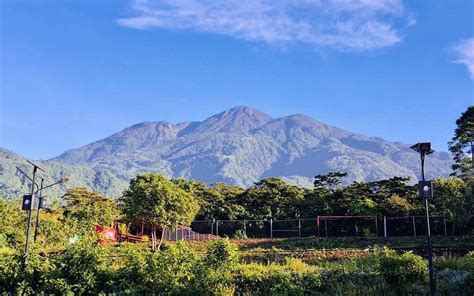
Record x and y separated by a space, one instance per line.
221 254
170 270
81 266
407 268
214 275
452 282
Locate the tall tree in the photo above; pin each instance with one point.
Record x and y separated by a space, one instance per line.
462 144
86 208
272 198
158 201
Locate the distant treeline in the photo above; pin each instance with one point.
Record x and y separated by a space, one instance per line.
271 198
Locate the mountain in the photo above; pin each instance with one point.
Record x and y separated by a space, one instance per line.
238 146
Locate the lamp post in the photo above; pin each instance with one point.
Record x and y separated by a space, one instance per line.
29 201
41 201
425 192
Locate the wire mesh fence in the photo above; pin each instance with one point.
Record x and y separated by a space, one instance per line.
327 226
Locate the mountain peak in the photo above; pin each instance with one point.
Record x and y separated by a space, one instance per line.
240 119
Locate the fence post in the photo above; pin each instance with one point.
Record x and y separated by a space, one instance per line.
299 227
212 225
182 233
245 229
271 227
414 225
385 226
445 229
189 233
317 224
176 233
217 228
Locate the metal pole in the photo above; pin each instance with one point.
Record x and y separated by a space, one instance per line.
384 226
299 227
271 228
27 245
430 247
413 222
317 224
212 225
217 228
245 229
40 200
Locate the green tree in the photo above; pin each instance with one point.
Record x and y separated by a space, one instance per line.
454 198
462 144
12 223
272 198
218 202
329 180
85 208
158 201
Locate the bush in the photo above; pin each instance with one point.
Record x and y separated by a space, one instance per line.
171 270
214 275
452 282
407 268
81 267
221 254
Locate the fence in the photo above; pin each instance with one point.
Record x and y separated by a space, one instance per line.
327 226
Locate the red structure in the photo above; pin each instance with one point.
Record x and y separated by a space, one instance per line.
140 231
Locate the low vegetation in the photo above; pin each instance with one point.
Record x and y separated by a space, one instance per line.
89 268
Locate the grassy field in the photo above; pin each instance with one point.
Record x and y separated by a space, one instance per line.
313 250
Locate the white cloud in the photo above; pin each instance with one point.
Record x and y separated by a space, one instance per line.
342 24
465 54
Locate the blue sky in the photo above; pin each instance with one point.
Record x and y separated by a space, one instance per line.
73 72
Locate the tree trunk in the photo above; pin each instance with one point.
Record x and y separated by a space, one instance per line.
153 235
162 237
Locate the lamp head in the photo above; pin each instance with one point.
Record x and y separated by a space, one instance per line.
424 148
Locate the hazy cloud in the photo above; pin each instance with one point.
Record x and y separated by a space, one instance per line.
342 24
465 54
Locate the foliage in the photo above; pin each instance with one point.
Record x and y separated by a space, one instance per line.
12 224
171 270
454 199
462 144
87 268
272 198
81 267
85 209
158 201
406 268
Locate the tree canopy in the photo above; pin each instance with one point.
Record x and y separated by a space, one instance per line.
462 144
155 199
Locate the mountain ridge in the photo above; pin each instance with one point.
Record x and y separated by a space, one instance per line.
243 145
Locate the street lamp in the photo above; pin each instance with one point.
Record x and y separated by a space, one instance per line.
29 200
41 200
425 189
